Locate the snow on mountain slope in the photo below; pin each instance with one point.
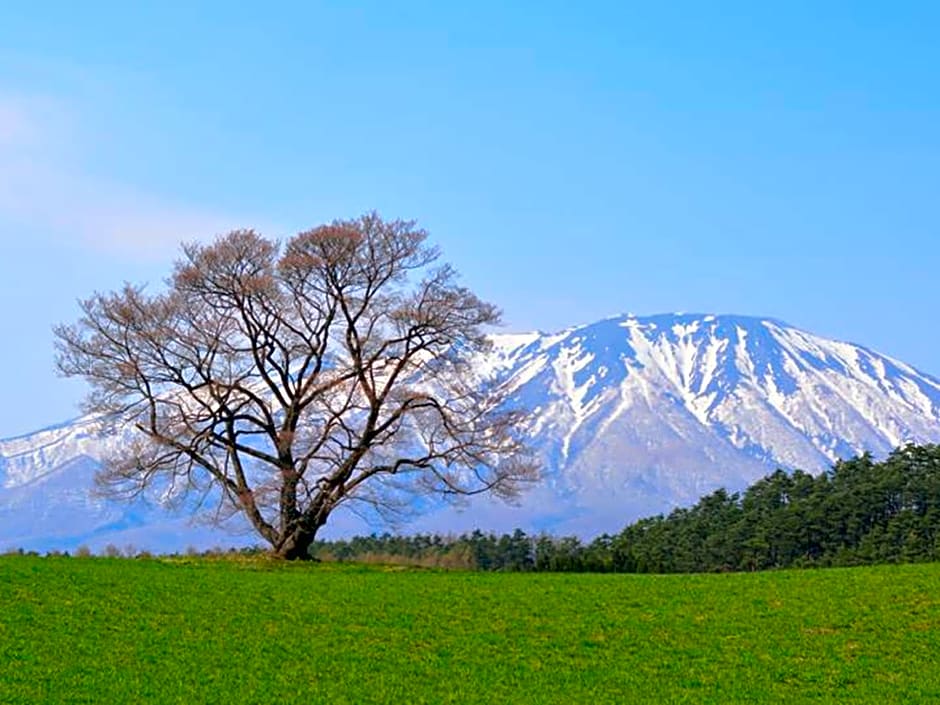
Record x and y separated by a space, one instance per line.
637 414
47 502
632 415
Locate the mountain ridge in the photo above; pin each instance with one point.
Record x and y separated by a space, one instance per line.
632 415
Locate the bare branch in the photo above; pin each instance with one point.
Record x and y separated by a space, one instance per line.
287 379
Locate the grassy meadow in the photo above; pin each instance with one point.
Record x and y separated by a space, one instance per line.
98 630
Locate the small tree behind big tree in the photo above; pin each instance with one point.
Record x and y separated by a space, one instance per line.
287 379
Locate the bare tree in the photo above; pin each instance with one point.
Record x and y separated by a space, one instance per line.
286 379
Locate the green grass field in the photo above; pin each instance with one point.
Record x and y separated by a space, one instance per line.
120 631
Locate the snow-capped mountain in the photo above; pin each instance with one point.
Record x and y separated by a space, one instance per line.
645 413
632 415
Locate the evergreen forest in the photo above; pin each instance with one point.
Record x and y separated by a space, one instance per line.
859 512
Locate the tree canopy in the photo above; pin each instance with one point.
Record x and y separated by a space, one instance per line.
285 379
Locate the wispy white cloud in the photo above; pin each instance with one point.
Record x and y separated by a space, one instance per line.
23 120
15 127
44 186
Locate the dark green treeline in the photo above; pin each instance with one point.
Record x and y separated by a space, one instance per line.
859 512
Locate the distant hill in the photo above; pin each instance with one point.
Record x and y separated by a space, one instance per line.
632 415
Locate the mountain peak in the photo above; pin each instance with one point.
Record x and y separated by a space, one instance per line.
631 414
737 376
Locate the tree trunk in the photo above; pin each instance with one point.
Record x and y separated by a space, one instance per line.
296 547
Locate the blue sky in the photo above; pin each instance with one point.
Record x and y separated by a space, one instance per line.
573 160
